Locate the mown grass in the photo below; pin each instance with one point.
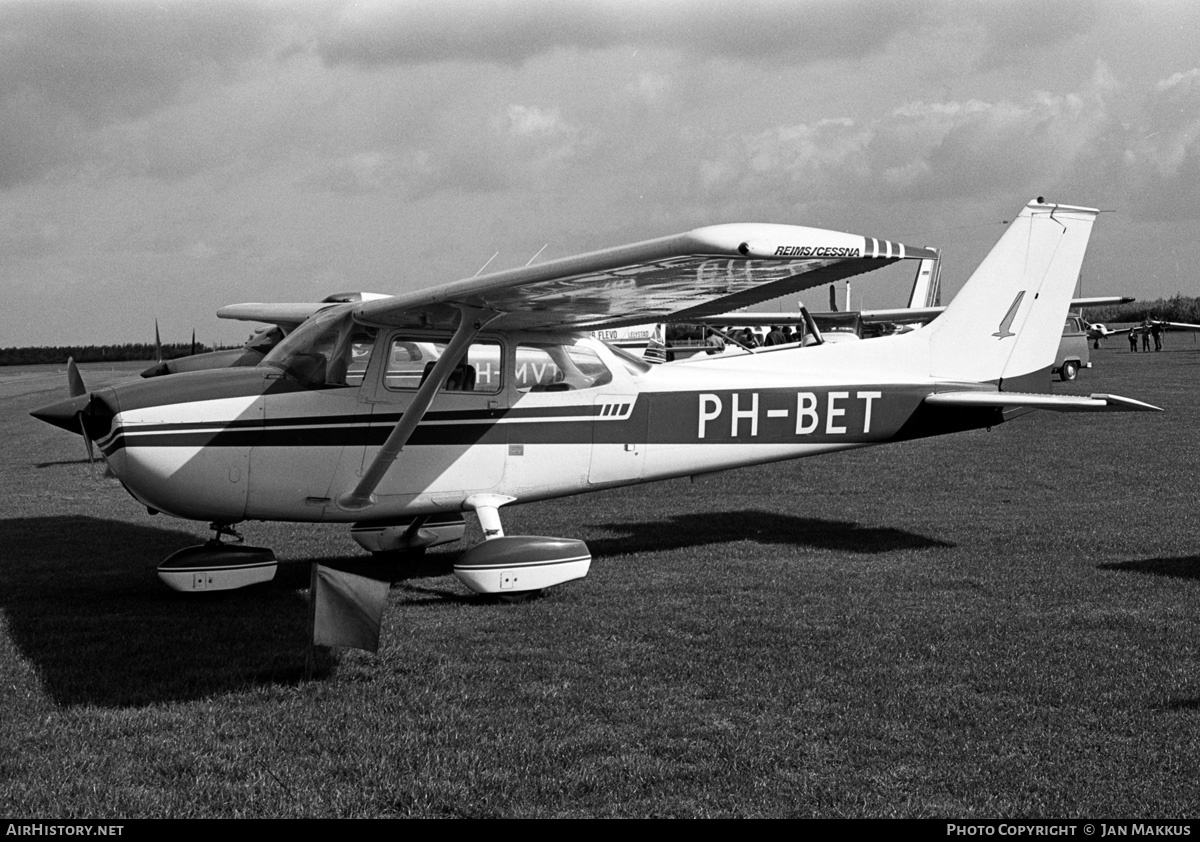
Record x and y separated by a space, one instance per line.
992 624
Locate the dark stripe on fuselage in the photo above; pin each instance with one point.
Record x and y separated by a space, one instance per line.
852 414
392 418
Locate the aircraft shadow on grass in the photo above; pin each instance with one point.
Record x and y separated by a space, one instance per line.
1186 567
83 605
707 528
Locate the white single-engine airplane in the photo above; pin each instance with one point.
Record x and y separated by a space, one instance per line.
400 414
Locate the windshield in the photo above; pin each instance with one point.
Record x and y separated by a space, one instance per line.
330 349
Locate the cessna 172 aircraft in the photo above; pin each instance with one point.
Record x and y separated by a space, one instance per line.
400 414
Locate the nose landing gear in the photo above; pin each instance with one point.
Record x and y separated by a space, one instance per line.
218 566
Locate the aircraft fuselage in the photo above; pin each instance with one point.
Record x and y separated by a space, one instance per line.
255 444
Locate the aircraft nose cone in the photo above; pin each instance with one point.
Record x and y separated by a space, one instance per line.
64 413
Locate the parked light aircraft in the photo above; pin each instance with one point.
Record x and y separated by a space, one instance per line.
1097 331
281 320
400 414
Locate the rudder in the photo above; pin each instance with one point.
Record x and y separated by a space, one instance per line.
1006 323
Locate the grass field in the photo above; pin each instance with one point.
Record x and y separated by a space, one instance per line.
997 623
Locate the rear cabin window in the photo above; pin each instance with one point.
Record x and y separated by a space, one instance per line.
410 360
554 367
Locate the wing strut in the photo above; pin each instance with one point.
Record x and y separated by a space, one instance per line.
471 321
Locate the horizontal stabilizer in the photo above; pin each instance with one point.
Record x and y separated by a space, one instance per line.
1057 403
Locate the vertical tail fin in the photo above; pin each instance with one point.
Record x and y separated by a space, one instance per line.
1005 324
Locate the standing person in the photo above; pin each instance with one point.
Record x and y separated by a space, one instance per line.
1156 332
1146 336
1133 339
775 337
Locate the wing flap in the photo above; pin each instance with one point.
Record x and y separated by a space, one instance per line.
1056 403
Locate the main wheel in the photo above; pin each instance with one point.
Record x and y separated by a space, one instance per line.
1070 368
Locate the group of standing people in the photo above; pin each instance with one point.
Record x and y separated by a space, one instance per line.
1147 330
777 335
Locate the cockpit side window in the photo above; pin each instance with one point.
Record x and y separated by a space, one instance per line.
329 350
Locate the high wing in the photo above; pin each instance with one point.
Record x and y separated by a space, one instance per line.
683 277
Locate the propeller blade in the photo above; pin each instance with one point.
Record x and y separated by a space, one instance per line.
158 355
832 298
193 342
75 386
87 442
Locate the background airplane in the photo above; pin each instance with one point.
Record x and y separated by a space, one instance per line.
280 319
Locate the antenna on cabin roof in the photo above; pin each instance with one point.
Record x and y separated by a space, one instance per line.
485 265
535 257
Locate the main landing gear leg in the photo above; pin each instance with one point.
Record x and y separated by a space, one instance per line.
517 567
487 507
218 565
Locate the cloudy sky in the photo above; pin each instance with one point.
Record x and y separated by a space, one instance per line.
160 160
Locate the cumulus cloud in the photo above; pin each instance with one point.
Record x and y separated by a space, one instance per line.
1163 151
943 151
513 31
1015 29
69 69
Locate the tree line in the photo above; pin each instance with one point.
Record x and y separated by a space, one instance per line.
1178 308
45 355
